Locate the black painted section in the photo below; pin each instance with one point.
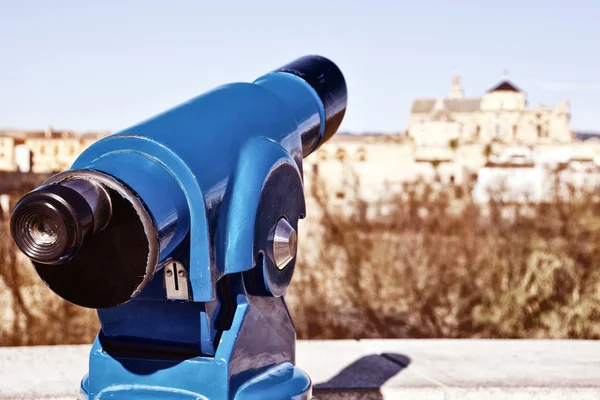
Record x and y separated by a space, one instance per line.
282 196
67 214
110 265
329 83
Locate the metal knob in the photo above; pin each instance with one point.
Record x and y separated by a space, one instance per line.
285 242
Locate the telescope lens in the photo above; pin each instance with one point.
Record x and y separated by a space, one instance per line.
44 231
49 224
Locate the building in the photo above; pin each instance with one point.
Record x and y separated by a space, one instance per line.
42 151
368 163
449 140
520 175
500 115
7 153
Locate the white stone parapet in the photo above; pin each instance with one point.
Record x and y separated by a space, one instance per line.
369 369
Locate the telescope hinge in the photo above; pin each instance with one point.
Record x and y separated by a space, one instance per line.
176 281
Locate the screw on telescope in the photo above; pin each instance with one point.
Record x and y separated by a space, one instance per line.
285 243
50 223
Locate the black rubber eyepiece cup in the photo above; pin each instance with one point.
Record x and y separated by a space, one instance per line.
50 223
328 81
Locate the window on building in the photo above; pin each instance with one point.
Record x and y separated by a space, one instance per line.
340 154
539 131
514 131
361 155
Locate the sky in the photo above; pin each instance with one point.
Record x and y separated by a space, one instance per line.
106 65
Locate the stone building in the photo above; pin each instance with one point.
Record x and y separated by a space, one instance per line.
42 151
7 153
500 115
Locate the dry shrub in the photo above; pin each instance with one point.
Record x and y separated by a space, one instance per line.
438 266
430 263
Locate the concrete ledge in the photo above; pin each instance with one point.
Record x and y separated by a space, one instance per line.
369 369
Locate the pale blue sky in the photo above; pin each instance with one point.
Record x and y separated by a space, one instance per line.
89 65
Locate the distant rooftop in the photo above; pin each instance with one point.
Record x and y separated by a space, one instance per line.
505 86
456 102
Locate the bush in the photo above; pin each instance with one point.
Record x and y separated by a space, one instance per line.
440 267
428 264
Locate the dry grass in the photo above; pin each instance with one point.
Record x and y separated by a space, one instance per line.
437 265
442 267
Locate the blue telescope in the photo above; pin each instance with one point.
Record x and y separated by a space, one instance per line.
181 231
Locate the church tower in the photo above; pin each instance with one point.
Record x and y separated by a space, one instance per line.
457 90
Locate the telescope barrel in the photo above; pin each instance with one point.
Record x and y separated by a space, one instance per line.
330 86
181 231
128 202
326 84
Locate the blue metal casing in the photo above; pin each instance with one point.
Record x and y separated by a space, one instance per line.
214 176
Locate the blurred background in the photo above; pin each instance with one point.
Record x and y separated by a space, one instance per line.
460 198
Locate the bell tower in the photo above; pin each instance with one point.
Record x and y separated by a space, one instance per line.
457 90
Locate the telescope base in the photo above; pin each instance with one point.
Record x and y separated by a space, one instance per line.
198 378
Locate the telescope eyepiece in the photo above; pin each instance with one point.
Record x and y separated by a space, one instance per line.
330 85
50 223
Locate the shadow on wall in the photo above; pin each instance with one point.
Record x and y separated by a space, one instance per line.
363 378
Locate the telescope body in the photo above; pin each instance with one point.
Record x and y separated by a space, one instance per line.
181 231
